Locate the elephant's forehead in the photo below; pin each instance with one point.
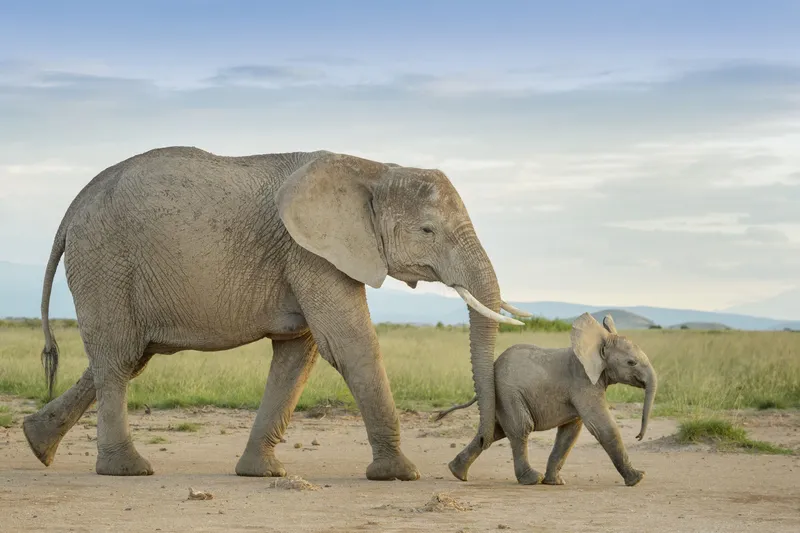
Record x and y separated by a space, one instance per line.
626 345
423 189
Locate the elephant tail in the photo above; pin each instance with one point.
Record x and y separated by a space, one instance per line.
446 412
50 351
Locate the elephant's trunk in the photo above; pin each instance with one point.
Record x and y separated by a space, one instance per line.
479 280
651 385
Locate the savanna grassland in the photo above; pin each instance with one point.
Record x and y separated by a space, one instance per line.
429 368
721 453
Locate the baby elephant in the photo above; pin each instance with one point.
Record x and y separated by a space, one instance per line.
541 388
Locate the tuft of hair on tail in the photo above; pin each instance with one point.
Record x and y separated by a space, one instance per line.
50 351
50 364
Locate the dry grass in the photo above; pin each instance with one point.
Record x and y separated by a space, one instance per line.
429 368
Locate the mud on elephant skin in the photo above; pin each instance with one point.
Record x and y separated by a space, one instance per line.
543 388
180 249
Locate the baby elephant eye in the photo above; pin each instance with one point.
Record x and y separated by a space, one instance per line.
427 229
631 362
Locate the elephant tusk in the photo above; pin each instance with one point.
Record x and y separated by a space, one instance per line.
514 311
482 309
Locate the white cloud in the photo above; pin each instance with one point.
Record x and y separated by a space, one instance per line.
584 184
36 169
717 223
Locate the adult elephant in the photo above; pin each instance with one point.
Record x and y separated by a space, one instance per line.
180 249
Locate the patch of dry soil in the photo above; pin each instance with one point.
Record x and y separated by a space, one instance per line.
686 488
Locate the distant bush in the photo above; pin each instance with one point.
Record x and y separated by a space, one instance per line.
36 323
537 323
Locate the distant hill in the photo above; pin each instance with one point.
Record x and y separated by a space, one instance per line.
785 305
21 290
622 319
706 326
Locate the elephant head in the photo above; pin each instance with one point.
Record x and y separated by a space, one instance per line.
601 350
370 220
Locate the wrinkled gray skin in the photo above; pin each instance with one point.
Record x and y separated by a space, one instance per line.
180 249
540 388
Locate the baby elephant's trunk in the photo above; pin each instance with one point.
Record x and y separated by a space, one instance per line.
651 386
446 412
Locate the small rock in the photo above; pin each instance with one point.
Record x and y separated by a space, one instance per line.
293 483
87 454
199 495
162 449
129 508
298 444
503 526
452 444
315 442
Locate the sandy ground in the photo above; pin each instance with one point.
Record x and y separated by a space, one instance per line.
686 489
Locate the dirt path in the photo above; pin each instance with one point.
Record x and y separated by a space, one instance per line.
685 489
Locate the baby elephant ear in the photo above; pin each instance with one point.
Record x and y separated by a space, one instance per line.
587 338
608 323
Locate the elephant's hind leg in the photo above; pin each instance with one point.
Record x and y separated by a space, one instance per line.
565 439
292 362
45 428
459 466
525 474
115 358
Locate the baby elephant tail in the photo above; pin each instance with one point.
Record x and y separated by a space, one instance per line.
446 412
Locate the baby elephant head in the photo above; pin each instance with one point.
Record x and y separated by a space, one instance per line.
603 352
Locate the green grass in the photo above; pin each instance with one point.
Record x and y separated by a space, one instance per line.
188 427
724 435
429 368
157 440
6 419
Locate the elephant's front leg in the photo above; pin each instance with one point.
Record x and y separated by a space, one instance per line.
292 362
565 439
359 362
335 307
600 423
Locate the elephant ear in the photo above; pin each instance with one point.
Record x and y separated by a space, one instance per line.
608 323
326 206
587 339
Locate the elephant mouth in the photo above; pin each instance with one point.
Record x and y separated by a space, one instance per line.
639 382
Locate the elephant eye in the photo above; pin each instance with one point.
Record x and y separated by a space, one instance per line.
631 362
427 229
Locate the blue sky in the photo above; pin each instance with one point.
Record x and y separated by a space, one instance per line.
615 152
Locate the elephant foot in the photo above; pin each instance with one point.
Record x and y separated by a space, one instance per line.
553 480
253 465
531 477
458 469
397 467
45 428
634 477
123 461
43 434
